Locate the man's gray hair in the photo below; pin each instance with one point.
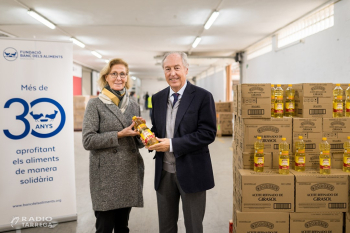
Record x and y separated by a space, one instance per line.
183 57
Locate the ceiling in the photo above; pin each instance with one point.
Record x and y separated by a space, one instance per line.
140 30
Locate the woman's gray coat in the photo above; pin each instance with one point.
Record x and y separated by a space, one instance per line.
116 166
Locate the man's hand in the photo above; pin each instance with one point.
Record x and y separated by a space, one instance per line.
128 132
144 143
162 146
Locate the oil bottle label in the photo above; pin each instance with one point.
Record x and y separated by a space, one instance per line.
348 106
261 151
290 97
325 152
346 151
146 135
337 107
346 161
284 164
325 163
302 151
300 161
285 152
290 107
278 108
279 97
258 161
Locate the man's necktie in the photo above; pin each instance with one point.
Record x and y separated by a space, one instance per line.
176 97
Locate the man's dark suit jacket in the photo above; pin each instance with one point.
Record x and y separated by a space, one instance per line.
195 129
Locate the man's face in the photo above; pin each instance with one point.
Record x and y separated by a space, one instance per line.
175 71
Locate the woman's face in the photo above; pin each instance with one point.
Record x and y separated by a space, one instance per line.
117 77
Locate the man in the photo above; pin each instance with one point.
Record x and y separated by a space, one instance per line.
184 122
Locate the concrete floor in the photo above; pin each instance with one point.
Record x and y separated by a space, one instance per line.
145 220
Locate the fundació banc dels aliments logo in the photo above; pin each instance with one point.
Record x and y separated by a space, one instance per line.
10 54
42 118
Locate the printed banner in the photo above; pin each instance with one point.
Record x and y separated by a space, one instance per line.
36 138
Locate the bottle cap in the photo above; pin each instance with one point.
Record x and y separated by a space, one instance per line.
134 117
258 138
283 139
348 137
349 84
274 85
278 85
300 137
324 139
289 85
338 84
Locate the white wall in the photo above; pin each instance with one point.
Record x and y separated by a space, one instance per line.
324 57
215 82
86 81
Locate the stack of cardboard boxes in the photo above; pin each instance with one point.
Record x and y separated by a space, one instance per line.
224 115
79 105
301 201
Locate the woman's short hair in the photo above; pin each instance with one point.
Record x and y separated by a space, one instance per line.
107 69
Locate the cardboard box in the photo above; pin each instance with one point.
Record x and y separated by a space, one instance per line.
255 100
314 100
337 160
266 191
224 106
315 192
316 222
270 130
324 90
311 130
248 160
314 107
336 130
235 98
261 222
347 223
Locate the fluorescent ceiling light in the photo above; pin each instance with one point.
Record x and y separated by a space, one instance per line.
196 42
96 54
77 42
133 78
107 61
211 20
41 19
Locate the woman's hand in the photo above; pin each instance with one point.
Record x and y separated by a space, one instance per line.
128 132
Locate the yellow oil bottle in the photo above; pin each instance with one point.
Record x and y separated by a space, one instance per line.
272 100
347 102
290 101
284 157
338 101
259 155
325 158
300 155
146 134
278 106
346 156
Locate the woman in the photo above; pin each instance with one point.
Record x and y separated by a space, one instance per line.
116 166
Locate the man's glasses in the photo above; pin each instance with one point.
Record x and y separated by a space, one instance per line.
115 75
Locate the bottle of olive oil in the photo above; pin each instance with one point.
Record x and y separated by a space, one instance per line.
284 157
300 155
325 158
259 155
145 133
346 156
